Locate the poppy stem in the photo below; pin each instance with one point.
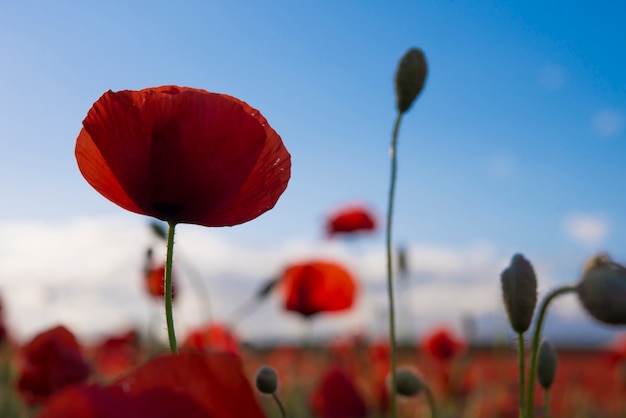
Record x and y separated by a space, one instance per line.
546 403
530 391
169 315
431 401
283 414
522 371
392 316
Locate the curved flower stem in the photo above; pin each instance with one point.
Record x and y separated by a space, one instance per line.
283 414
431 402
169 315
522 371
530 398
392 316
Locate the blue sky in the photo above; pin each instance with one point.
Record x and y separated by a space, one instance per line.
516 143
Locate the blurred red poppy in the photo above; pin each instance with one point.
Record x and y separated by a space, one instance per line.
442 344
116 355
318 286
213 337
183 155
350 219
49 362
191 385
155 282
336 396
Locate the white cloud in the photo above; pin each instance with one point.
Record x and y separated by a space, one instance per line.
552 77
500 165
87 275
607 122
586 229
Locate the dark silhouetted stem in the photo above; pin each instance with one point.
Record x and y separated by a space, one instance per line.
283 414
546 403
530 392
169 315
431 402
522 372
392 316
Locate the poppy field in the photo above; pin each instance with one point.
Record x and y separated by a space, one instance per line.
346 377
183 155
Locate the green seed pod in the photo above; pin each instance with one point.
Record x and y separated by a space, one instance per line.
410 78
407 383
519 291
266 380
602 290
546 364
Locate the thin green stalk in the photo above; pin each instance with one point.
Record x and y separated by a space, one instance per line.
283 414
431 402
522 371
546 403
530 398
169 315
392 316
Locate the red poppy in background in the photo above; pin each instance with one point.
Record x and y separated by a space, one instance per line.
190 385
213 337
49 362
116 355
442 344
350 219
318 286
183 155
337 397
155 282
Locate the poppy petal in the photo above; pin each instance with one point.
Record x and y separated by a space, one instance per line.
183 155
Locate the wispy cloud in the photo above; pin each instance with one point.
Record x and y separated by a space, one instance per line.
608 122
87 274
552 77
500 165
586 229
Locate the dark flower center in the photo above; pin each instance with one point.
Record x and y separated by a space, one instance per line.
167 211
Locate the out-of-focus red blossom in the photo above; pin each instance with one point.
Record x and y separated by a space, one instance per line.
155 281
336 396
317 286
3 328
380 366
442 344
213 337
116 355
190 385
350 219
49 362
616 350
183 155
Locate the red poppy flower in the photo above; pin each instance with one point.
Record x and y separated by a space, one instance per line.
191 385
350 219
442 344
116 355
183 155
214 337
50 361
337 397
317 286
155 282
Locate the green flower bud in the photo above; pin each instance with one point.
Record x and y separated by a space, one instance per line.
158 229
546 364
519 291
407 383
602 290
410 78
266 380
